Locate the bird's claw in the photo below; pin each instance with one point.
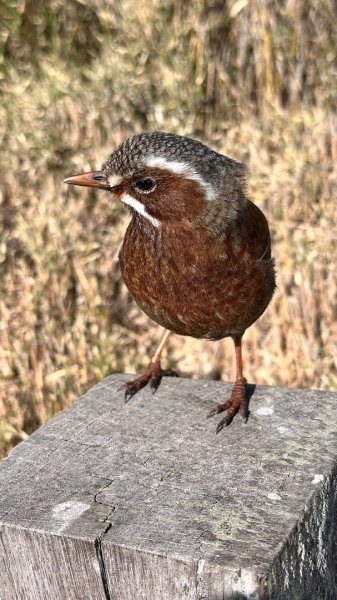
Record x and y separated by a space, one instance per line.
129 392
236 403
152 374
215 410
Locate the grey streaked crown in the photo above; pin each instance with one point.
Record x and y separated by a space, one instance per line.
131 154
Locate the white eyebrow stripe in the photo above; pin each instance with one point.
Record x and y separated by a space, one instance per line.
177 167
181 168
139 208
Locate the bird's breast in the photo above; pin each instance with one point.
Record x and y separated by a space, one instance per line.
191 284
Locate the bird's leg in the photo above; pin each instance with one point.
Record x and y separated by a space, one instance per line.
153 373
238 401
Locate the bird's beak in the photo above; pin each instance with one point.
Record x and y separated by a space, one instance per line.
95 179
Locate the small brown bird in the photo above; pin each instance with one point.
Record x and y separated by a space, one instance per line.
196 255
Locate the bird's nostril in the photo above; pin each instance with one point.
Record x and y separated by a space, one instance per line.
99 177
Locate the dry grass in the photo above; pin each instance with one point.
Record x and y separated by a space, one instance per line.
256 81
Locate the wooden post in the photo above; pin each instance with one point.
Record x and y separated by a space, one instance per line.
143 501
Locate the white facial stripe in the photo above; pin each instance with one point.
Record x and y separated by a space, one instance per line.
181 168
139 208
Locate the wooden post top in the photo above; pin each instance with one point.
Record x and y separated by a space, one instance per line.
144 501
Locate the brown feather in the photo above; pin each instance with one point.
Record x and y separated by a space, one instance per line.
195 284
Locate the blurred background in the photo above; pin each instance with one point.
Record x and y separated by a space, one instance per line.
257 81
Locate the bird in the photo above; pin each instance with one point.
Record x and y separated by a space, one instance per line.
196 255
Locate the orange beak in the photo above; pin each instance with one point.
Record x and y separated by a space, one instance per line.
95 179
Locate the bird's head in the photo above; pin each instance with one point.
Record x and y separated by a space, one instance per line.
164 177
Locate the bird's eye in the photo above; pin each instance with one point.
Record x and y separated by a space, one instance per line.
145 185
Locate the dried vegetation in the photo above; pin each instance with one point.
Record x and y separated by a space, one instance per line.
257 80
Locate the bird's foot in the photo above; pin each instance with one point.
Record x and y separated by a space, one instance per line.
152 374
237 403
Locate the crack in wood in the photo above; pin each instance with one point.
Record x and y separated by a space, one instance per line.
101 563
98 540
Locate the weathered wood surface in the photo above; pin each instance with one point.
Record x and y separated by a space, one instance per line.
142 501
